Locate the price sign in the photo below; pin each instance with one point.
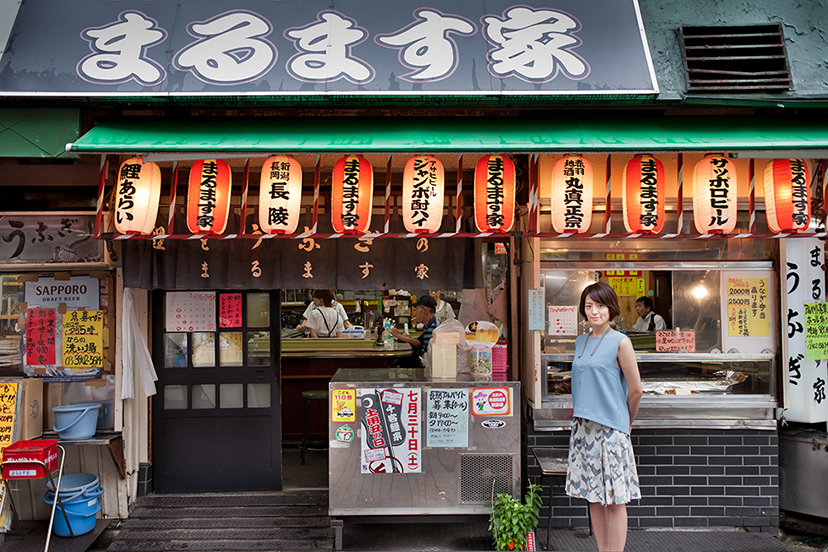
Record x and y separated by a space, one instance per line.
673 342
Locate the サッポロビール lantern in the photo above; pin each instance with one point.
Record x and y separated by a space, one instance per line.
715 195
208 197
352 195
494 194
137 195
422 196
644 195
787 195
571 195
280 195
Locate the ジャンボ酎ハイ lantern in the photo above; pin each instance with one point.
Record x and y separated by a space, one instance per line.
422 195
571 194
352 195
715 195
208 197
494 194
280 195
137 195
644 195
787 195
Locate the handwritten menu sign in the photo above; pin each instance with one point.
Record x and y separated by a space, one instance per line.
447 420
673 342
40 336
563 321
83 339
8 405
816 331
230 310
747 307
626 286
191 311
536 304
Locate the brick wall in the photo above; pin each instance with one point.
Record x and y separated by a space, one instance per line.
702 478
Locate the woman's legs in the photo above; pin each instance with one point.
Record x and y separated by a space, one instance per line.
610 526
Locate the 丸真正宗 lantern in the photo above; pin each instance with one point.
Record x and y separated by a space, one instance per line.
494 194
644 195
280 195
422 196
787 195
572 195
352 195
208 197
715 195
137 195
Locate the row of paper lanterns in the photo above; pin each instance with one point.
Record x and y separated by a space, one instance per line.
787 196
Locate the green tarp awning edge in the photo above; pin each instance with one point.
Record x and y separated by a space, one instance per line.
38 132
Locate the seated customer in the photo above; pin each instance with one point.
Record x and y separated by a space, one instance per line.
324 321
424 314
648 321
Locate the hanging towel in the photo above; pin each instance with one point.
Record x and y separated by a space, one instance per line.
136 353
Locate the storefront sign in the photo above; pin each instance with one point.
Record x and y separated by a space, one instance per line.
74 293
49 239
536 301
644 195
8 412
787 196
447 418
673 341
391 434
138 192
422 195
572 195
260 47
83 339
494 194
747 307
280 195
715 195
352 195
816 331
208 196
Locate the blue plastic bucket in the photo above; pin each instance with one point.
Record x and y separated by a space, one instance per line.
81 512
75 422
73 485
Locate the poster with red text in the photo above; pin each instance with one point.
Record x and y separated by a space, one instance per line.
391 430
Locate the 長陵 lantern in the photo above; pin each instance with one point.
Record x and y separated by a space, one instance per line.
644 195
208 197
571 195
494 194
137 195
280 195
715 195
787 195
352 195
422 196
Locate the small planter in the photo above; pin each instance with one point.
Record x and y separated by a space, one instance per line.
511 520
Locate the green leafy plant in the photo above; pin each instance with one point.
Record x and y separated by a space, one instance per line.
510 519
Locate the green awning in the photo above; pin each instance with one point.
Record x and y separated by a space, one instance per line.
646 133
40 132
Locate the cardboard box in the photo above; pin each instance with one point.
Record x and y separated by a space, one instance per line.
30 396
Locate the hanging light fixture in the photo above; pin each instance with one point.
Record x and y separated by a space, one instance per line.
137 195
572 195
715 195
422 195
494 194
208 197
280 195
352 195
787 195
644 195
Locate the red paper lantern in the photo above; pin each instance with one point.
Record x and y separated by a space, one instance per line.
572 195
787 195
644 195
137 196
494 194
715 195
208 197
423 192
352 195
280 195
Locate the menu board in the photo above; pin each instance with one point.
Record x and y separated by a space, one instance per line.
83 339
447 418
672 341
747 307
816 331
191 311
40 336
230 310
8 408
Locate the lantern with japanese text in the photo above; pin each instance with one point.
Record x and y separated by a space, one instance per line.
715 195
208 197
137 195
280 195
352 195
572 195
644 195
787 195
422 196
494 194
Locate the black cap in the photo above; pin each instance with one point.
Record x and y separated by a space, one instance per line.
427 301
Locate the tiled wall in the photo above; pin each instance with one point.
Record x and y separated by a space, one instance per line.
703 478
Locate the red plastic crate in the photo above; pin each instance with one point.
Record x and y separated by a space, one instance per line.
20 459
500 358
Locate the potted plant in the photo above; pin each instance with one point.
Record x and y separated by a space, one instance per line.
511 520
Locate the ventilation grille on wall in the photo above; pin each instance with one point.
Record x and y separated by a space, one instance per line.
478 471
736 59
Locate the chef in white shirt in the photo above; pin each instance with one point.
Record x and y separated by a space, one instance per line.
648 321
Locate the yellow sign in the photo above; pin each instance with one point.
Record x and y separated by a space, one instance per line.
626 286
747 307
8 404
343 405
83 339
816 331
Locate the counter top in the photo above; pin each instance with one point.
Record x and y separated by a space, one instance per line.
409 375
341 348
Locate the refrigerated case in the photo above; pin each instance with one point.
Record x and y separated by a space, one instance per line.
401 445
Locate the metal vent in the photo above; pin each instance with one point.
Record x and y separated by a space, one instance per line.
478 471
736 59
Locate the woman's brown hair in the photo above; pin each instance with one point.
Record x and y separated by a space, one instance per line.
602 293
325 296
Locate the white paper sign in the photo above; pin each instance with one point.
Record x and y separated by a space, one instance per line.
563 321
191 311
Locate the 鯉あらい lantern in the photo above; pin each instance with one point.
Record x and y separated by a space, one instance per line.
787 195
572 195
494 194
137 195
422 195
208 197
280 195
644 195
715 195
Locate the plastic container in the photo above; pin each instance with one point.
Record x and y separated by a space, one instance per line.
21 459
81 511
73 485
75 422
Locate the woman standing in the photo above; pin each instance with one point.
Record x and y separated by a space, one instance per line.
606 393
444 311
323 321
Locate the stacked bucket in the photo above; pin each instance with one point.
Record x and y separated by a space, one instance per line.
80 495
